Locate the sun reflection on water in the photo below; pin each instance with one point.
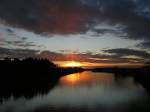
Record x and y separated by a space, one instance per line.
85 78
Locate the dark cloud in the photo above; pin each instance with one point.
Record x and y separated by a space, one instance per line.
52 56
20 43
17 53
60 16
24 38
125 12
145 45
128 52
64 57
117 55
9 30
9 37
93 58
72 16
111 58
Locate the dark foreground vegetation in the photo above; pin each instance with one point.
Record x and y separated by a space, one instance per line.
141 75
29 76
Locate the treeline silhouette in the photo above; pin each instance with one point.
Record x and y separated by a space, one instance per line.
29 76
145 70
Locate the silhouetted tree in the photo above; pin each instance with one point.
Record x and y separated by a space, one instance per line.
20 75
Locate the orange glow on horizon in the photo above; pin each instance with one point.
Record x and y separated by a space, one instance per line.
95 65
72 64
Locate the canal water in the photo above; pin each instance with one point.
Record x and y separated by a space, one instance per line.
85 92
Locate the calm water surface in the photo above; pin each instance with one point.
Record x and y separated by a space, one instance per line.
85 92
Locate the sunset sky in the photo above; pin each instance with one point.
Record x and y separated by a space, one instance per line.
92 32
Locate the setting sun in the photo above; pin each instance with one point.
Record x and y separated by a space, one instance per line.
72 64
